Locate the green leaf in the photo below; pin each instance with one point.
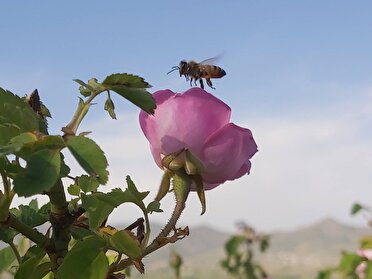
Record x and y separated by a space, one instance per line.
133 88
127 80
7 257
154 206
74 190
100 205
356 208
34 204
44 142
232 245
79 233
7 235
110 107
15 111
88 183
7 132
29 216
40 271
124 242
137 96
86 260
16 143
65 170
90 157
139 196
27 266
40 174
45 210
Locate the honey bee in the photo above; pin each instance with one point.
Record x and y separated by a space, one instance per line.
194 71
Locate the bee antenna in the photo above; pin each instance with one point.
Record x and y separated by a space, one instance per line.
174 68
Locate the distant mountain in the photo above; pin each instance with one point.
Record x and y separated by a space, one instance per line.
295 254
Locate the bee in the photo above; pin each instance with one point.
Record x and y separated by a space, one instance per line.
194 71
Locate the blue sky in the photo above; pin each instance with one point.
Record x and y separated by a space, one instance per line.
298 74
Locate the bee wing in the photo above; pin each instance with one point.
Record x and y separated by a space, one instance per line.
211 61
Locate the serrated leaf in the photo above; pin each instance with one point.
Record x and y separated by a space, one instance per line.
86 260
127 80
154 206
44 209
30 216
356 208
110 107
133 189
15 111
124 242
90 157
100 205
74 190
7 257
88 183
34 204
7 235
40 174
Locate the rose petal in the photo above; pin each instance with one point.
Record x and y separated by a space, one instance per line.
183 121
226 153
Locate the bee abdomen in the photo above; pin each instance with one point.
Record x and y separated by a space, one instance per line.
217 72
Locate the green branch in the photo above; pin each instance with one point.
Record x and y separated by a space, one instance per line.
29 232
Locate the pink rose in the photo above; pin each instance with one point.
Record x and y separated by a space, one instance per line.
367 253
200 123
361 270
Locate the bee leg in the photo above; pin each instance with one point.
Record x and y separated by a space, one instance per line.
209 82
201 83
191 79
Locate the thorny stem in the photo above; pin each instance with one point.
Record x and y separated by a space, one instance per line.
181 187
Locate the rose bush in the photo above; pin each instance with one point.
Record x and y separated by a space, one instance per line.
198 122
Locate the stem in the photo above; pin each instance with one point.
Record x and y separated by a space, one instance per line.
60 220
181 187
15 251
57 197
32 234
81 111
5 183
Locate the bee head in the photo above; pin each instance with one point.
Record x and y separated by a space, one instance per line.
183 67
